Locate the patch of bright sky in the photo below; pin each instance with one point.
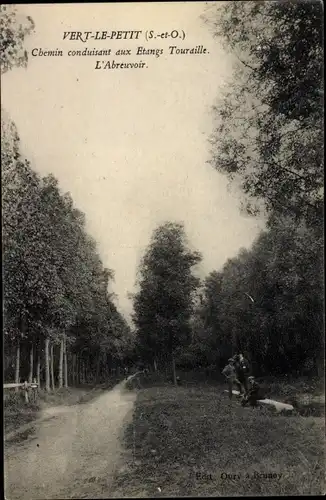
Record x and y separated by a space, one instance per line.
131 146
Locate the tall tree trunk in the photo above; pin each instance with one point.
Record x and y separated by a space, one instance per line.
173 370
17 364
320 367
52 367
73 377
61 365
65 362
155 365
107 373
31 364
234 342
47 365
98 364
82 371
78 370
167 366
38 370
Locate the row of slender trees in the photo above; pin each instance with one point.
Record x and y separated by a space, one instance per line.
60 318
269 136
61 325
60 321
266 302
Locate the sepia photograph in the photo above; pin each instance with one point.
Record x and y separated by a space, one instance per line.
162 168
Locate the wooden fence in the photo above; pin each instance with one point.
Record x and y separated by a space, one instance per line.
26 387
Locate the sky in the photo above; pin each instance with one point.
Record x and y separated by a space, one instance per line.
130 145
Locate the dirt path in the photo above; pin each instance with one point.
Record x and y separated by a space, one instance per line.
72 455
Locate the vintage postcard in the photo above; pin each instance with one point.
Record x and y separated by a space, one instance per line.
162 215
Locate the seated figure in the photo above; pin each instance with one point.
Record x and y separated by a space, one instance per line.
253 394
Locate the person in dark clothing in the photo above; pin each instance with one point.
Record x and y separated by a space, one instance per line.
242 371
229 373
253 394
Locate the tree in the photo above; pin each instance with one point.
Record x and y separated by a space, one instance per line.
13 29
19 203
281 331
268 136
269 121
163 305
55 285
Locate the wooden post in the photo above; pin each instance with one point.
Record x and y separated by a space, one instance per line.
26 391
35 391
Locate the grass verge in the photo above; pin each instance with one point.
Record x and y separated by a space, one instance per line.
191 441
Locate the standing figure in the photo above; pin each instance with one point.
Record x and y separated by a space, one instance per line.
242 370
229 373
